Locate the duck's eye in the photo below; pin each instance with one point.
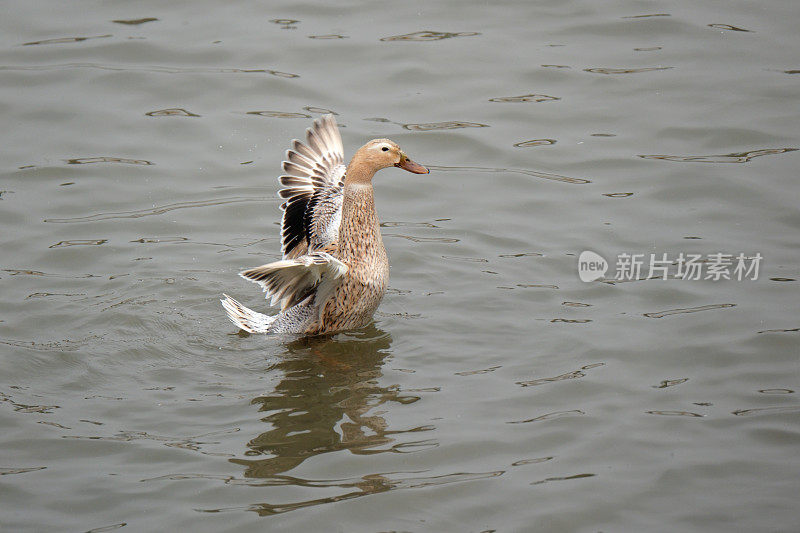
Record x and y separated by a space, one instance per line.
385 148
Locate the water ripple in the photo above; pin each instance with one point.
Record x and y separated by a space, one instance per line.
429 36
279 114
790 330
670 383
534 173
728 27
569 375
112 527
532 461
320 110
193 443
767 410
675 413
422 239
550 416
154 69
107 159
526 98
158 210
365 486
736 157
475 372
647 16
63 40
535 142
452 125
135 22
603 70
79 242
9 471
662 314
26 408
562 478
172 112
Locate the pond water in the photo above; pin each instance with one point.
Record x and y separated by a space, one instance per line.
495 390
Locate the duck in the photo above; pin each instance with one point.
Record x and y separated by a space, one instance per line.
334 270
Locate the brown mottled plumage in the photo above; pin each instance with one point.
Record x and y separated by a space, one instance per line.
334 270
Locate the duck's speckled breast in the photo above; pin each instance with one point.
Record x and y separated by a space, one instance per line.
360 246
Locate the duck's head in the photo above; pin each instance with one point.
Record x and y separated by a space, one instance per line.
383 153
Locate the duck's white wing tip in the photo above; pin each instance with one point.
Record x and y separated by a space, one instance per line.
245 318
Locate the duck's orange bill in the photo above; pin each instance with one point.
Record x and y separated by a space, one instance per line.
407 164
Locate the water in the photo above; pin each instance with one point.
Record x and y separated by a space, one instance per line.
495 390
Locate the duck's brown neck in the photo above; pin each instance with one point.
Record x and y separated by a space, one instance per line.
359 225
358 172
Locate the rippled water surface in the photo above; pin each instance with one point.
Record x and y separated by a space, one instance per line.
495 390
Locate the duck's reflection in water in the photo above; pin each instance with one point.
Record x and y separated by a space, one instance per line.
328 400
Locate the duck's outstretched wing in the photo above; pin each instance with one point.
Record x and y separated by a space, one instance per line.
312 189
291 281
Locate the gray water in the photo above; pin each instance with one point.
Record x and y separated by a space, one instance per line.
495 391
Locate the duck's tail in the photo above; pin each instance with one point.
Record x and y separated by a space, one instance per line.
245 318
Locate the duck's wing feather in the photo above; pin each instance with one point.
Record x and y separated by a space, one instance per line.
291 281
312 188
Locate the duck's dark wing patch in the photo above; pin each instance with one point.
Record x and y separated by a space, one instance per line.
312 188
